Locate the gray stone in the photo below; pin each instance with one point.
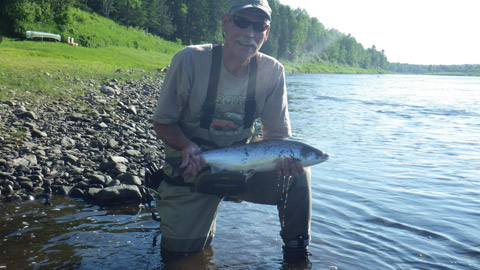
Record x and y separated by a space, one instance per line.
102 125
114 167
76 193
99 179
118 159
129 179
71 159
25 114
62 142
118 195
27 161
133 153
67 142
112 143
38 133
107 90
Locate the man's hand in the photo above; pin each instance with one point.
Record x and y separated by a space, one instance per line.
289 167
190 162
173 135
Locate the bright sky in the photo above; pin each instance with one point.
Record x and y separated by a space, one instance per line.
438 32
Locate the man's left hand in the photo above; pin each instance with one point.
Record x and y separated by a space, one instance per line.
289 167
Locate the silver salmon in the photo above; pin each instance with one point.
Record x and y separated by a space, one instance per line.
258 156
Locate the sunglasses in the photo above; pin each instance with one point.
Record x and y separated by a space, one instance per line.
243 23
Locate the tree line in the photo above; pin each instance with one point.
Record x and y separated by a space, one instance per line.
435 69
294 35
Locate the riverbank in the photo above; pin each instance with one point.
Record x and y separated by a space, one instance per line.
94 147
329 68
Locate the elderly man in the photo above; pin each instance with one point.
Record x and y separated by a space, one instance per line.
210 98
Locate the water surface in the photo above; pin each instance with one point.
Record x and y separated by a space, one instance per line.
401 190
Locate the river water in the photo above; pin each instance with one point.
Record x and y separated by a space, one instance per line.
401 190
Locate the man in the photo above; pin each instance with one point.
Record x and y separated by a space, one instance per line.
188 123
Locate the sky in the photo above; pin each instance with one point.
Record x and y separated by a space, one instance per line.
425 32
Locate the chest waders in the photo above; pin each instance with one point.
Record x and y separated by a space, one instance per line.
223 183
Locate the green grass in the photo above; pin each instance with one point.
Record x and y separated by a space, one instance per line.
55 69
324 67
48 71
94 31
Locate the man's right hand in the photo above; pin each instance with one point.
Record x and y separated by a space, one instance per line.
190 162
172 135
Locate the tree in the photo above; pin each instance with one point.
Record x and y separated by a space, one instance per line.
159 18
46 15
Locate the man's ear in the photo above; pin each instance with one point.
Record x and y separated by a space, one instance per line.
225 22
266 34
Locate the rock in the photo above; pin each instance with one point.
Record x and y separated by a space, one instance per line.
61 189
71 159
76 117
28 185
56 147
102 125
76 193
67 142
117 195
133 153
38 133
21 113
99 179
112 143
117 159
82 185
129 179
113 167
8 189
132 109
27 161
107 90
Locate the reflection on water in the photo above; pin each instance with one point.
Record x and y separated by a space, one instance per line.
73 235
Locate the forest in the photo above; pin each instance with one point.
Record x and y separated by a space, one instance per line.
294 35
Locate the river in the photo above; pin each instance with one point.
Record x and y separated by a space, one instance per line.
401 190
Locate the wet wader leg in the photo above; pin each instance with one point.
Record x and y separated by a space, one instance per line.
295 215
187 218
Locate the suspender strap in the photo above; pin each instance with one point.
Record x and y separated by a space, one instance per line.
250 103
209 105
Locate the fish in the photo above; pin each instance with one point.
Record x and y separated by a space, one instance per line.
257 156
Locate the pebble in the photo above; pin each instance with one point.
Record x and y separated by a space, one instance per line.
82 147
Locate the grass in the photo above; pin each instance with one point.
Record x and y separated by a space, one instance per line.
54 70
324 67
45 71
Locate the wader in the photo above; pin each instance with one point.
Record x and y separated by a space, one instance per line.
188 217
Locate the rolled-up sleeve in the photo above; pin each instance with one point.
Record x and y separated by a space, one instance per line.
174 93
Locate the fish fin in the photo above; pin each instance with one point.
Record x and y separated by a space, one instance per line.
249 173
174 161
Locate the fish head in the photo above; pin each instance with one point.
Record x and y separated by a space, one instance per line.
311 156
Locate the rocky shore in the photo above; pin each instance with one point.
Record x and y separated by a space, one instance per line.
95 147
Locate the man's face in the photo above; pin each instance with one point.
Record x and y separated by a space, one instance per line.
242 39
